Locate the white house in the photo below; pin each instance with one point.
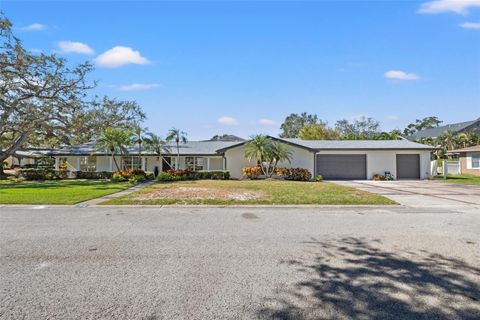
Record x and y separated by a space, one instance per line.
333 159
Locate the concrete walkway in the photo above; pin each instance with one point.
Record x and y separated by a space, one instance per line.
415 193
125 192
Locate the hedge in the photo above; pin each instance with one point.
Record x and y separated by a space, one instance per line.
43 174
182 175
93 175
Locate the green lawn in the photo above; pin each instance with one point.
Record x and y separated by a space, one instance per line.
273 192
462 178
56 192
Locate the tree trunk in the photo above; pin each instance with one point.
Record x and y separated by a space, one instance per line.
11 150
115 161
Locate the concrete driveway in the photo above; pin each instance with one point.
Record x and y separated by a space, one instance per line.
422 193
155 263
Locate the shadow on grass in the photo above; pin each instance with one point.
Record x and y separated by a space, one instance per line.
53 184
354 279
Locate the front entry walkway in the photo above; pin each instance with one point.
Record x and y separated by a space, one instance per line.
416 193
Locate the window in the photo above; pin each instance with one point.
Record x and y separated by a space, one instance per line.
131 163
198 163
88 163
476 161
189 163
194 163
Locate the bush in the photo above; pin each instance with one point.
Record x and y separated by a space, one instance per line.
43 174
213 174
93 175
137 178
252 172
318 178
281 171
298 174
378 177
149 175
165 176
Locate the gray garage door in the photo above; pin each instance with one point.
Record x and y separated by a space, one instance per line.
342 166
408 166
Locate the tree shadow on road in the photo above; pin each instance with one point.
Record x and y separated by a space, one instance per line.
353 278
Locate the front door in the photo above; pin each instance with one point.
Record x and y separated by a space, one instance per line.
166 163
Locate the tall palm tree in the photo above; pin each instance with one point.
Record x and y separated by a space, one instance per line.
114 141
157 145
137 130
178 136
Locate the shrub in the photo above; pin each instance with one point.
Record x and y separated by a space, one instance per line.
93 175
137 178
378 177
43 174
252 172
281 171
318 178
213 174
117 177
138 172
298 174
165 176
149 175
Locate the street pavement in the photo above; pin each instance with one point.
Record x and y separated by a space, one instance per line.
98 262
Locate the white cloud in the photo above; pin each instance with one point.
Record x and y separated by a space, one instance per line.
267 122
393 117
75 47
138 86
34 27
227 121
457 6
470 25
400 75
119 56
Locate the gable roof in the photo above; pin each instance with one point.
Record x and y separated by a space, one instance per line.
454 127
467 149
317 145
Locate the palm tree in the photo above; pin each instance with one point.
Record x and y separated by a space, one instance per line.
137 130
267 152
178 136
114 141
278 152
157 145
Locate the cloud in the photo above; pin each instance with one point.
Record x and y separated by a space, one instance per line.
227 121
119 56
400 75
75 47
393 117
34 27
457 6
267 122
470 25
138 86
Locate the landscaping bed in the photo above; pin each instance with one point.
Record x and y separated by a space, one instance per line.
239 192
56 191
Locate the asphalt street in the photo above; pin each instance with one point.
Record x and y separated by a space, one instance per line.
239 263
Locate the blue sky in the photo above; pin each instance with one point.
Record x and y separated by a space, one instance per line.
242 67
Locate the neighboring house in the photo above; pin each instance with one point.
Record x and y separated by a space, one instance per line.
356 159
469 159
26 158
454 127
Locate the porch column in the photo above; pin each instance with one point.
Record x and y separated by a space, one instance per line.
57 163
208 163
143 163
110 163
78 164
224 163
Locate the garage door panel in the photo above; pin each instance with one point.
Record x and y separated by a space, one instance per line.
408 166
342 166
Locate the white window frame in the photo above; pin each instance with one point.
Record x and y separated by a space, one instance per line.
477 157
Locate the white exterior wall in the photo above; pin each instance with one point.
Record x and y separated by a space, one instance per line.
103 163
301 158
380 161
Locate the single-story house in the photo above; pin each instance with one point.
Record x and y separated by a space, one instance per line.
469 159
355 159
453 127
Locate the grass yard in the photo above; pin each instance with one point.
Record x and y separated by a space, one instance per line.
462 178
56 192
266 192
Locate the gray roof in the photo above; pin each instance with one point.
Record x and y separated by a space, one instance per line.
454 127
359 144
189 148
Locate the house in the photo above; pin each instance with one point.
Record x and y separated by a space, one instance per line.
454 127
27 158
358 159
469 159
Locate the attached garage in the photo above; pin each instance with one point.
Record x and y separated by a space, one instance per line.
408 166
342 166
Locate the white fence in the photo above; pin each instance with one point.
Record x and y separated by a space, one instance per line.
450 166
